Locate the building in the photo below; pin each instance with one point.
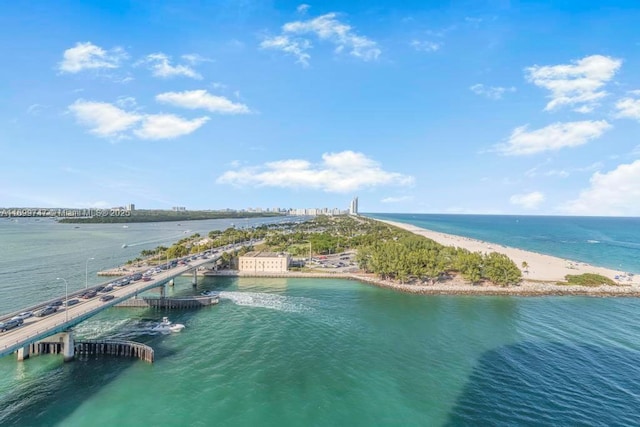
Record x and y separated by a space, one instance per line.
353 207
263 262
130 207
179 209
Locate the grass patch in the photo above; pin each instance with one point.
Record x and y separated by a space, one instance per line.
587 279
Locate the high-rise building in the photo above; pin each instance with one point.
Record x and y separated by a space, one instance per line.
353 207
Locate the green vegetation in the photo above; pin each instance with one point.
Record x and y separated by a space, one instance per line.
143 215
417 258
389 252
587 279
393 253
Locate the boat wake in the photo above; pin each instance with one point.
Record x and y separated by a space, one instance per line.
316 310
95 329
270 301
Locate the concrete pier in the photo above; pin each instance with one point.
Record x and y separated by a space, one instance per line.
165 303
23 353
68 347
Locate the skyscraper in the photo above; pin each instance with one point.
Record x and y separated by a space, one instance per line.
353 207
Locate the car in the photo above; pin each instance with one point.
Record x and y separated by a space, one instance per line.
10 324
23 315
71 302
56 303
99 289
106 289
88 295
105 298
136 276
45 311
146 279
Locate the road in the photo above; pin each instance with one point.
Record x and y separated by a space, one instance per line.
38 328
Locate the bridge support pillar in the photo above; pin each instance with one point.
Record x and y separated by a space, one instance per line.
23 353
195 278
162 289
68 346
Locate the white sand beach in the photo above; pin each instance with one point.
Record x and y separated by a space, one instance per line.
541 268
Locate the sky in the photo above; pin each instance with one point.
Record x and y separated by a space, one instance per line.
478 107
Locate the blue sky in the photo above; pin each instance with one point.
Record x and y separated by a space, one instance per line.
430 107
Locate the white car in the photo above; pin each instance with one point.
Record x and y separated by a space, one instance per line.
23 315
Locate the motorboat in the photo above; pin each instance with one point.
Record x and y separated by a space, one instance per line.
125 246
167 327
210 293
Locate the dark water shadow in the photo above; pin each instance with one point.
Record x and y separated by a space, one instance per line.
533 384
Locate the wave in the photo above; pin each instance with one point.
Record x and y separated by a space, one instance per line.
270 301
593 241
94 329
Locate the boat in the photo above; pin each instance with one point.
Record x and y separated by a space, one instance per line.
210 294
125 226
125 246
167 327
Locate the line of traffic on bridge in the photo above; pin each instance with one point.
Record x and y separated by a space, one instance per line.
59 315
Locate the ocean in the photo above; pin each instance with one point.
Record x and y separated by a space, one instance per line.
291 352
603 241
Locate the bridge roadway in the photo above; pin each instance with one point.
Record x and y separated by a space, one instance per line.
37 328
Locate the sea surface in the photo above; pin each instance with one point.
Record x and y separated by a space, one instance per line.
305 352
603 241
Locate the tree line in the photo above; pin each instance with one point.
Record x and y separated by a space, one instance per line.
418 258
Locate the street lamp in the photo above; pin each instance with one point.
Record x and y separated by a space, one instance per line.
86 273
66 297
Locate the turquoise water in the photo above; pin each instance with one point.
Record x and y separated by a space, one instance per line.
34 252
291 352
604 241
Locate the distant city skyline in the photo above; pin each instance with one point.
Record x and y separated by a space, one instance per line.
418 107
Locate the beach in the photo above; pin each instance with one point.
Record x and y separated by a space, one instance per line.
539 278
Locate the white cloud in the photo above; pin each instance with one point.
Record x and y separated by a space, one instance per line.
195 99
126 102
613 193
342 172
528 201
194 58
577 84
325 28
396 199
160 66
108 121
563 173
87 56
36 109
629 107
491 92
167 126
303 8
297 48
552 137
425 45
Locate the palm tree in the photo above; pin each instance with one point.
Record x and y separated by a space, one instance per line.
525 267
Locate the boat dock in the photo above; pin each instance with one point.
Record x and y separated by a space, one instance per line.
170 303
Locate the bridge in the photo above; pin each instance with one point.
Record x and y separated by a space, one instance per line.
36 329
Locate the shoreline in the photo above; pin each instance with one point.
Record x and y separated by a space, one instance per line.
542 268
455 286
